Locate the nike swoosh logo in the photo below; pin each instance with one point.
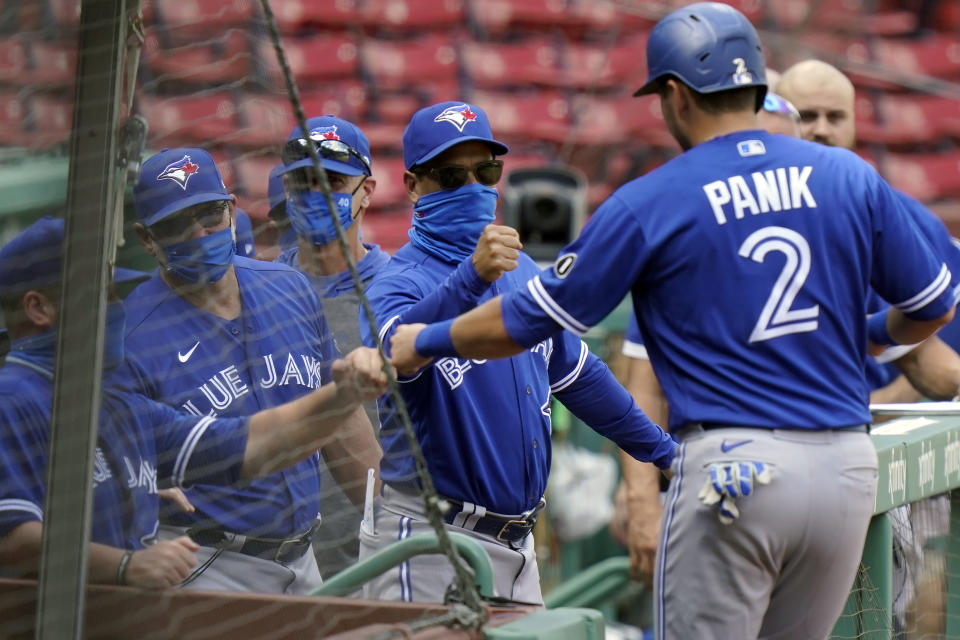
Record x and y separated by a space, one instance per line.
183 357
730 447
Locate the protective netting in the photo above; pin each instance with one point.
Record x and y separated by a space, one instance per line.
555 76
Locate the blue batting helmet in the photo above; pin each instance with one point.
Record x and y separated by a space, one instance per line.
709 46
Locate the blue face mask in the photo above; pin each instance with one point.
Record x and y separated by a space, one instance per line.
448 224
310 217
201 260
39 349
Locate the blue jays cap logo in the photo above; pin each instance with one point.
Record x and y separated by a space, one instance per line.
325 133
180 171
457 116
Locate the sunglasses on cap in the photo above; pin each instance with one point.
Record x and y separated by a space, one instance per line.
775 104
487 173
337 150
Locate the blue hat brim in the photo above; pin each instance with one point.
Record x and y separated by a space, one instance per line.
122 275
330 165
497 147
183 203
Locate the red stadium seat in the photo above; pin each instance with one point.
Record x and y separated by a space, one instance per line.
224 162
541 116
400 64
52 119
936 55
191 120
397 107
390 193
494 66
54 64
383 137
14 61
13 120
267 119
226 58
295 15
850 16
574 17
600 67
412 16
192 20
909 119
610 121
253 173
924 176
66 13
316 58
387 228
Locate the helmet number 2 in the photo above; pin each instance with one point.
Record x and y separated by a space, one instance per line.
777 318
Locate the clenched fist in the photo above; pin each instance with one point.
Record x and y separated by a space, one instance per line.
497 251
359 375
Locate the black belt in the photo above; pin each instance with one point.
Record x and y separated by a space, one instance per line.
277 550
511 529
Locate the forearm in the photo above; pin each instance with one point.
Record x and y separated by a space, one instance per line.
904 330
458 293
350 453
482 334
643 385
933 369
642 480
284 435
900 390
600 401
20 552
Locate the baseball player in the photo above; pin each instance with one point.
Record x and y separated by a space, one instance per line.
141 444
752 299
825 100
345 153
216 334
484 427
243 242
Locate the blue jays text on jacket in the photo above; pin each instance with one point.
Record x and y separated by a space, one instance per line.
278 349
484 426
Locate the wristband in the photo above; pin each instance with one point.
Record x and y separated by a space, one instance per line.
122 567
877 329
435 340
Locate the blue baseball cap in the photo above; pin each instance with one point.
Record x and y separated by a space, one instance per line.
275 191
34 259
173 180
436 128
323 128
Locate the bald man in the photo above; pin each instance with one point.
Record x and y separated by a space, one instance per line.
824 96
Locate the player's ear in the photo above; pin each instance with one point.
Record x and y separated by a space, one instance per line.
410 182
39 309
367 189
145 239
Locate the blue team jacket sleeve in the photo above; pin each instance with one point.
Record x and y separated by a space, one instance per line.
907 271
588 280
197 450
585 386
397 299
23 462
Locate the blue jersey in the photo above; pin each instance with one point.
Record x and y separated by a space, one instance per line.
277 350
338 284
484 426
751 283
244 240
141 445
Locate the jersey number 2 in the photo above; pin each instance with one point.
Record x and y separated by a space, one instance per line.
777 318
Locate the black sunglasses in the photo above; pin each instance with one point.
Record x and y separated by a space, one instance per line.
487 173
208 215
298 149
